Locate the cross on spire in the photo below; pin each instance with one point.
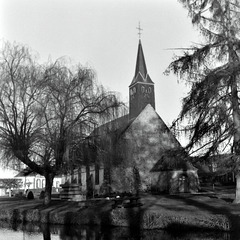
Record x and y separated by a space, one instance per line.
139 30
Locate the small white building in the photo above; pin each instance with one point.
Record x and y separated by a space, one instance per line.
6 173
36 182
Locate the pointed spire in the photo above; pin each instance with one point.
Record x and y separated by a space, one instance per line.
140 63
141 74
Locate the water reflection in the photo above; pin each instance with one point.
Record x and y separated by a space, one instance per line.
29 231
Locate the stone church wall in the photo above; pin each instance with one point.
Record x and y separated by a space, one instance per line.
141 145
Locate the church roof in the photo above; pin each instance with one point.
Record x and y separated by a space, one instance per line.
141 74
116 126
148 116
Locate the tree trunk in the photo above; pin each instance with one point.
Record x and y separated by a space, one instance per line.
48 188
46 231
236 137
236 147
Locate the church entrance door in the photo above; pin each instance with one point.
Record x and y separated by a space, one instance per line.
183 184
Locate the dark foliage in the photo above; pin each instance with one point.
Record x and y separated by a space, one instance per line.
210 114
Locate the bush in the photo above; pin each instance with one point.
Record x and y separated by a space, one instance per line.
42 194
19 195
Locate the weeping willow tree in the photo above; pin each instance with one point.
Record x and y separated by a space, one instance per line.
210 112
45 110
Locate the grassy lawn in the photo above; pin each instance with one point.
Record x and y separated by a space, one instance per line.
220 197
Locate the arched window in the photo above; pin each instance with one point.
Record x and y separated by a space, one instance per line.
43 183
38 183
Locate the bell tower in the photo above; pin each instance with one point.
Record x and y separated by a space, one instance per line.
141 89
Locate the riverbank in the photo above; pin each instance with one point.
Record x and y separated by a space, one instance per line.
211 210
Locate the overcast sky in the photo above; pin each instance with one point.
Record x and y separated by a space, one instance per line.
102 34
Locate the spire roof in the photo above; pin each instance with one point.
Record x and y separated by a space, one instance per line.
141 74
140 64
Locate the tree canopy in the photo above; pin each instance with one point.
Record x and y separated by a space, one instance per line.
210 113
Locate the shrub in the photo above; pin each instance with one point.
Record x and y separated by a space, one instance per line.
42 194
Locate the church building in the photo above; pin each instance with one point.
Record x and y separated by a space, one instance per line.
138 152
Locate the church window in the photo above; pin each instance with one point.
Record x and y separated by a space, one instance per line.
96 175
149 90
79 178
143 89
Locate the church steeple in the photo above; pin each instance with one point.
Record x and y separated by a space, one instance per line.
141 89
141 74
140 64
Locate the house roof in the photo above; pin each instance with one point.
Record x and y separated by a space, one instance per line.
141 74
173 159
25 172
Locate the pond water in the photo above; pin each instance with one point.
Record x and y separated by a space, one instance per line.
9 231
